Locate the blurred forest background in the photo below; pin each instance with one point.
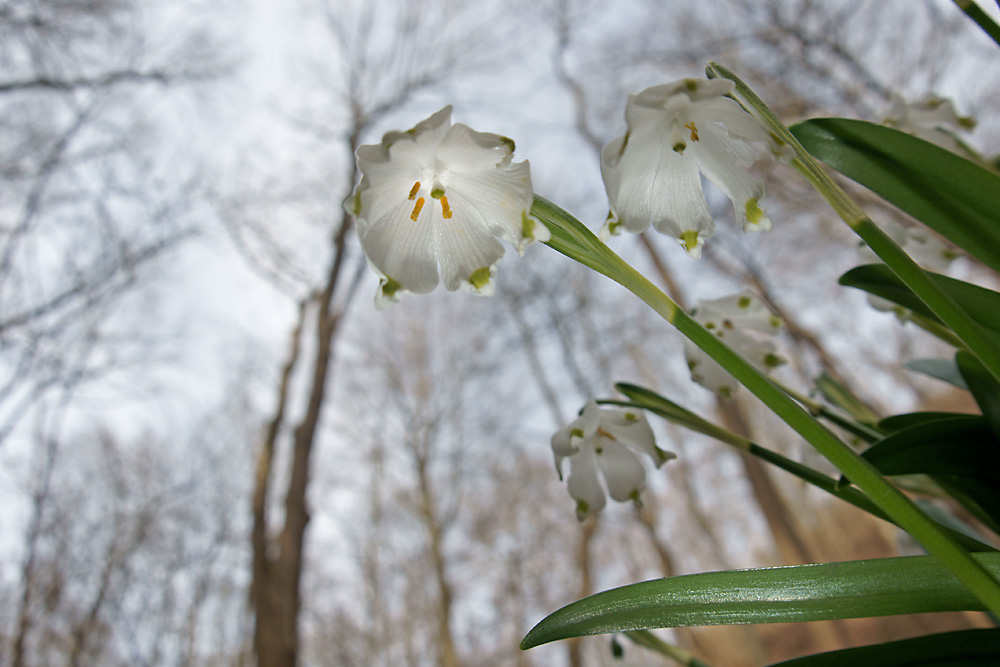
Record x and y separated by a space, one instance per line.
213 448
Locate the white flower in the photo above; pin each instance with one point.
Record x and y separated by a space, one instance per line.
605 440
746 325
930 118
678 133
439 195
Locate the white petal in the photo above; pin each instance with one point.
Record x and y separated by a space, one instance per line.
401 248
622 471
724 161
464 242
583 484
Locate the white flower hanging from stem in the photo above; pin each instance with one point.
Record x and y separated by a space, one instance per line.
604 442
677 133
435 198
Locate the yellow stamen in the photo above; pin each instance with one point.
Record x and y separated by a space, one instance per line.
416 209
445 209
414 190
606 434
694 130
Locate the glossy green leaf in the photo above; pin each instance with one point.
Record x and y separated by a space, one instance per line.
963 445
964 648
981 303
854 589
957 198
984 387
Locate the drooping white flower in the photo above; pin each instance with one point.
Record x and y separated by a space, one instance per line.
437 197
677 133
931 118
747 327
603 442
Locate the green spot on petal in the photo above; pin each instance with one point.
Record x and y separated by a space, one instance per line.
691 85
508 142
576 433
480 278
356 206
744 302
753 211
631 417
390 286
527 226
437 193
679 147
773 361
775 322
690 240
582 509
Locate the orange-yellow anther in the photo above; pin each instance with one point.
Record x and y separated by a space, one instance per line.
694 130
606 434
414 190
445 208
416 209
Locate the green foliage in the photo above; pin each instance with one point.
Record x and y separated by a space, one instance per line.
853 589
953 196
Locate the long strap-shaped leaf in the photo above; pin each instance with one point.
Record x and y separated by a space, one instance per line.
853 589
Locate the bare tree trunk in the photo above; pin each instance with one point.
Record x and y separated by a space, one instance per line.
277 568
435 534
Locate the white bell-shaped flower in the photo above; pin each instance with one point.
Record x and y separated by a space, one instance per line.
436 197
747 326
603 442
677 133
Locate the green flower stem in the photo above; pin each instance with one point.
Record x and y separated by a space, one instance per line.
975 12
866 433
576 241
648 640
915 278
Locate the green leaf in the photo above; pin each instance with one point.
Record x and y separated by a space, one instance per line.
964 648
984 387
981 303
945 370
899 422
963 445
955 197
854 589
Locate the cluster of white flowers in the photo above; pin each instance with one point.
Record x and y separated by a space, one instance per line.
433 201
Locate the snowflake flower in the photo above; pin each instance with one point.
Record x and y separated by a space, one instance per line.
677 133
746 325
930 118
437 196
605 441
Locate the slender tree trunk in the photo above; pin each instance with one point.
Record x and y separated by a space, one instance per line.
277 564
